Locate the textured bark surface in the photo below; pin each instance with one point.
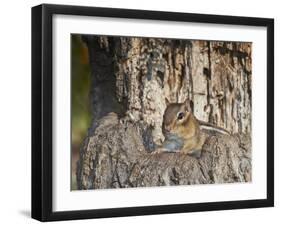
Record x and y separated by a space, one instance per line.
115 157
132 77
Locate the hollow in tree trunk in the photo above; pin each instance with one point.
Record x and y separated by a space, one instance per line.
131 78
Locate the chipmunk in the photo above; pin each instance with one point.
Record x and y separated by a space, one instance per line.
183 131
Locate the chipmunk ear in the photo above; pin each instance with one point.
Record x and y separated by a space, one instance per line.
167 101
188 105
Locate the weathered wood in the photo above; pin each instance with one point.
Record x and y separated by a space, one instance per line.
132 77
115 157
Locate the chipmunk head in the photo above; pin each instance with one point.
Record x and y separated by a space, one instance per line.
176 116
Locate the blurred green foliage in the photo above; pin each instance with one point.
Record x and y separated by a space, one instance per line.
80 82
80 103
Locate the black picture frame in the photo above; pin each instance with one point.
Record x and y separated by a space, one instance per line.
42 107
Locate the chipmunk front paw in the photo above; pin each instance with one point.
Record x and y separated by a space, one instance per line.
164 150
195 153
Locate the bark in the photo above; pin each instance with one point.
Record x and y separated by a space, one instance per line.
132 77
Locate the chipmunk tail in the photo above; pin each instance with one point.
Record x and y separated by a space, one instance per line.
212 127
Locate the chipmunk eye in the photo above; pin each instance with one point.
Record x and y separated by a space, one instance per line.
180 115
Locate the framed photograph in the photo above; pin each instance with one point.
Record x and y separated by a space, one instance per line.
146 112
